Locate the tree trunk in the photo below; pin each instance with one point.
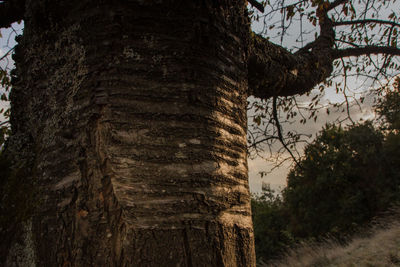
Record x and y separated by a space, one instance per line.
134 116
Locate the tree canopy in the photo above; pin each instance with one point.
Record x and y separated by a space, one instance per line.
345 178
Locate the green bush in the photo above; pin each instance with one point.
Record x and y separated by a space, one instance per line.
270 225
346 178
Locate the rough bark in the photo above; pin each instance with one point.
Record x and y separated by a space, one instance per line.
274 71
136 115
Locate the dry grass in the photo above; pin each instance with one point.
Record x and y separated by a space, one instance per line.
380 248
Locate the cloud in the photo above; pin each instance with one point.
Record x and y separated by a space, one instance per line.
276 179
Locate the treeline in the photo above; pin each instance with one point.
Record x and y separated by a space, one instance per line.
346 177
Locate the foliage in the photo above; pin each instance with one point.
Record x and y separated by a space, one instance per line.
389 107
270 224
343 181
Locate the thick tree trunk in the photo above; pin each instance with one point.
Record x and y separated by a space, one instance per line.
136 114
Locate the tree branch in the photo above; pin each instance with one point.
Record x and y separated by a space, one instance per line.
347 42
7 53
279 128
363 21
359 51
274 71
11 11
257 5
4 122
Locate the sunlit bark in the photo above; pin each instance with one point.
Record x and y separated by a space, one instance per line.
137 116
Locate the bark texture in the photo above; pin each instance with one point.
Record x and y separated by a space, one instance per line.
274 71
134 116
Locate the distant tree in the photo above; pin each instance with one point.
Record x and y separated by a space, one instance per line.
270 225
388 107
346 177
334 187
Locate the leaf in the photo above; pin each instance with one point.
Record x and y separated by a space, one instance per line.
345 10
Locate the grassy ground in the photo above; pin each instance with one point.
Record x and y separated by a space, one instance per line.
380 248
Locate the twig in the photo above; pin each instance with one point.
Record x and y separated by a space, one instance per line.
6 54
4 122
279 128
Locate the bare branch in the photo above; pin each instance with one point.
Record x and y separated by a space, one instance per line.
279 129
347 42
364 21
359 51
4 122
6 54
255 143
